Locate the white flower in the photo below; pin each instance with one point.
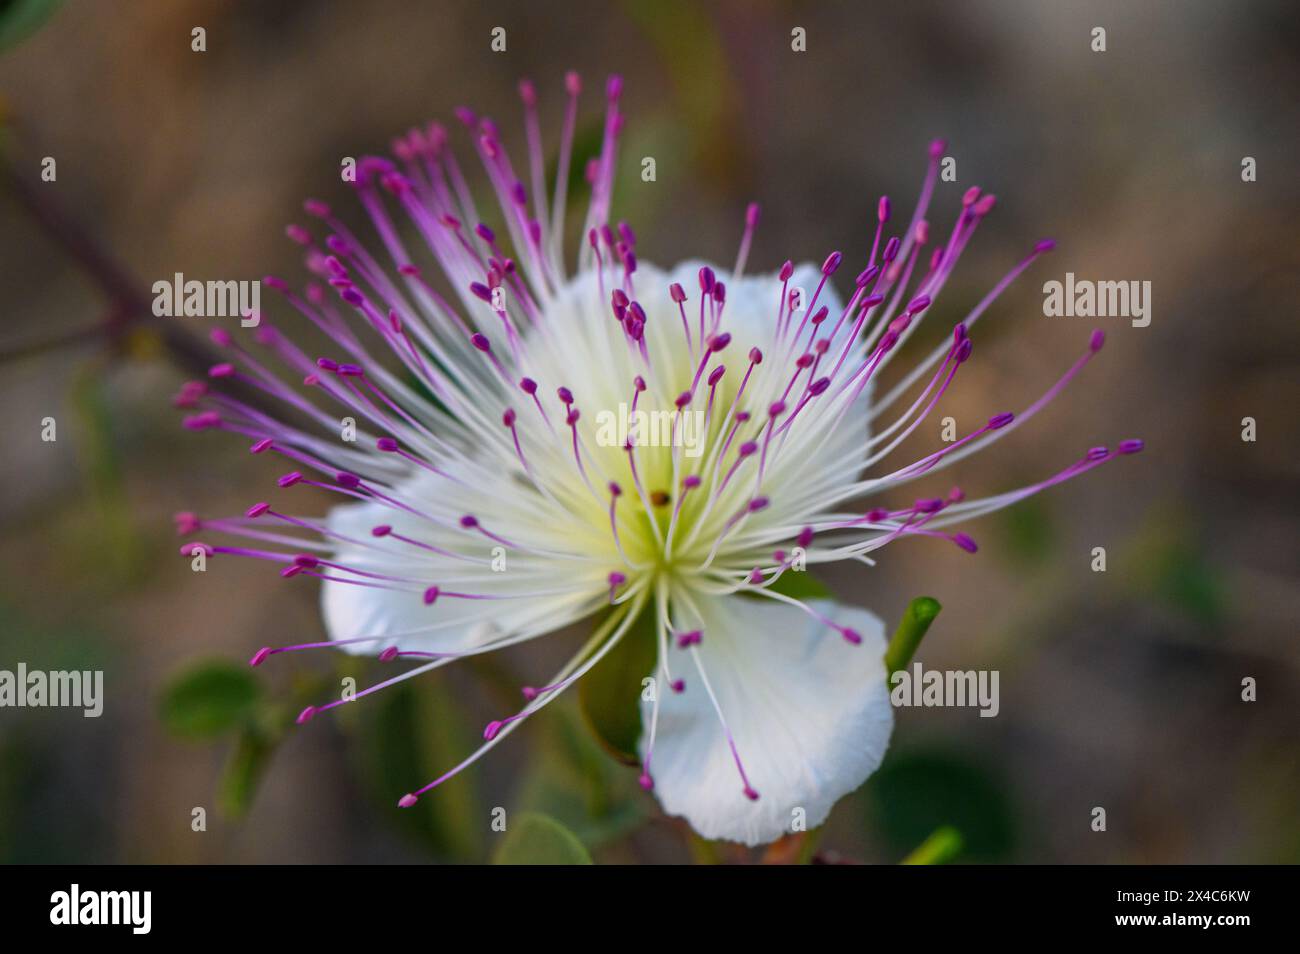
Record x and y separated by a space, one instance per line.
536 448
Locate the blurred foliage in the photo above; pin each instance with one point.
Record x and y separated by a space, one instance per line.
47 816
1028 532
209 699
686 39
219 700
799 585
1184 578
534 839
610 693
35 827
572 778
112 528
247 763
587 138
1167 561
943 846
409 734
19 19
916 792
74 643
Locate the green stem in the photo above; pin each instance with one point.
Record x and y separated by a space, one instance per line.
918 616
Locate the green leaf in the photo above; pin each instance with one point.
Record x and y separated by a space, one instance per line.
571 778
243 772
610 695
19 19
535 839
918 616
916 792
210 699
943 846
412 732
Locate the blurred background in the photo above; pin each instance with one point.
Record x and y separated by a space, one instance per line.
1119 689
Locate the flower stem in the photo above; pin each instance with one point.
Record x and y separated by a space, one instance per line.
918 616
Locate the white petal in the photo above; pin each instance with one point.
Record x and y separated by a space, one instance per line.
451 624
810 714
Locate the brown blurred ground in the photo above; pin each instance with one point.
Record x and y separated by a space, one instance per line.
1118 689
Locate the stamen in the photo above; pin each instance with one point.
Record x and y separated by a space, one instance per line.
751 222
